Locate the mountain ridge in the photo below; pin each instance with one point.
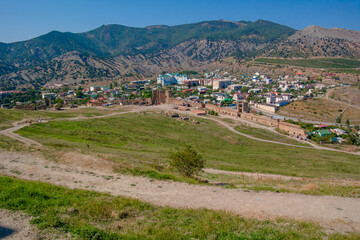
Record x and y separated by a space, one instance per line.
113 50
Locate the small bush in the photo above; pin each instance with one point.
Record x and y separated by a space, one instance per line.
187 161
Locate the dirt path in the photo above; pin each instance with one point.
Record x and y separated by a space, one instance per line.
250 174
15 225
341 214
10 133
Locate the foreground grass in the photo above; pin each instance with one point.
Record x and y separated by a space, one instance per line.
143 142
91 215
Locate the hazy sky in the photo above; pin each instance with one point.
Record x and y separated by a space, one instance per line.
25 19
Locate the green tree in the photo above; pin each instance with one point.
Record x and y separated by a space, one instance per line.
339 118
79 94
59 100
59 103
187 161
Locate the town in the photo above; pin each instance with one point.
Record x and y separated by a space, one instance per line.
261 94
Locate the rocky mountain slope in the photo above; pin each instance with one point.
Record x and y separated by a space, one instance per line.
315 41
116 51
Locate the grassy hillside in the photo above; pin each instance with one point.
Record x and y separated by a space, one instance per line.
321 109
9 116
337 63
143 142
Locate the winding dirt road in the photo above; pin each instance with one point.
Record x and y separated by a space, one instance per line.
337 213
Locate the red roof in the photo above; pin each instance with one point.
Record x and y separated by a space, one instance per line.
321 125
187 90
199 112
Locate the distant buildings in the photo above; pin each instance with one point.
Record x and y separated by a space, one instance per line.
221 84
95 88
278 100
48 95
171 79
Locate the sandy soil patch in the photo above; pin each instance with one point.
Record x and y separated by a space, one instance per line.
16 225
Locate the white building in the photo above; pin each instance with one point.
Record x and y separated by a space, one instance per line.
221 84
171 78
278 100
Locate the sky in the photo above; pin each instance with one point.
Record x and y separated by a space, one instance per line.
25 19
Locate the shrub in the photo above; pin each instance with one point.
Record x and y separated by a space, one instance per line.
187 161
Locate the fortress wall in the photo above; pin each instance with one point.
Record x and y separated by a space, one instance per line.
260 119
292 129
222 110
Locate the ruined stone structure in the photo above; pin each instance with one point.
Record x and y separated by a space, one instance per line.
242 107
136 101
260 119
221 110
292 129
160 96
266 107
30 107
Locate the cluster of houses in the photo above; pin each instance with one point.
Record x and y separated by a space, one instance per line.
334 134
4 93
97 95
262 92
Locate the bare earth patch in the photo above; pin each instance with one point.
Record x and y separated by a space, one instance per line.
333 213
16 225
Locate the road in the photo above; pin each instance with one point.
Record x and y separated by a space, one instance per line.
84 172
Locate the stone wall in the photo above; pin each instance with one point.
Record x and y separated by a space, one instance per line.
174 101
222 110
260 119
292 129
25 107
266 108
136 101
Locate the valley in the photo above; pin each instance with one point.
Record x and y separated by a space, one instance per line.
212 129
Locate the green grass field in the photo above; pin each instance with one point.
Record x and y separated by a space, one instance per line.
91 215
328 63
8 116
267 135
143 142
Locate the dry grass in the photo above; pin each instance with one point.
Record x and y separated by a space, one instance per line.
321 109
350 95
312 186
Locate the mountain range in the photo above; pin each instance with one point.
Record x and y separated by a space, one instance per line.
114 52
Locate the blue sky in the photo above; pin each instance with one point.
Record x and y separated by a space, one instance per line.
25 19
